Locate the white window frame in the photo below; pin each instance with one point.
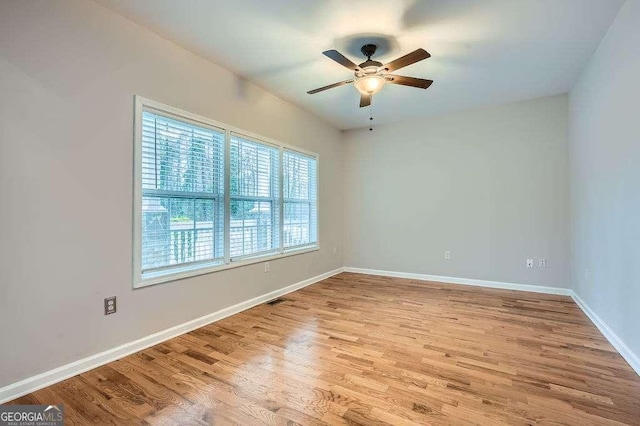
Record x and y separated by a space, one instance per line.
185 271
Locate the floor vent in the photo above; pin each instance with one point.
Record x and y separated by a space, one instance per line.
275 301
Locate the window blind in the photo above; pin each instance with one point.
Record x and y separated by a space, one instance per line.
299 186
182 193
254 198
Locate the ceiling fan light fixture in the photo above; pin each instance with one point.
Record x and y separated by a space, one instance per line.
371 75
370 84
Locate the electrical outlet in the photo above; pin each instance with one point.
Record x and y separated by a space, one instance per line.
529 263
586 274
335 251
267 267
542 263
110 305
447 255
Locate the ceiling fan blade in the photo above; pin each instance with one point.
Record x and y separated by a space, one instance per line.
420 83
341 59
408 59
331 86
365 100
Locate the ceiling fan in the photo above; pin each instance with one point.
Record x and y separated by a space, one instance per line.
371 76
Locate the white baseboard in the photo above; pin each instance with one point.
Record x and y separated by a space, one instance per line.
464 281
612 337
616 342
56 375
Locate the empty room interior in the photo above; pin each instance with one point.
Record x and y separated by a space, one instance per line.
324 212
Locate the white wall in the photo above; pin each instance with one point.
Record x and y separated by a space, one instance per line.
68 73
604 137
490 185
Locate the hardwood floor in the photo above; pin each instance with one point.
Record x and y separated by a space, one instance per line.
359 349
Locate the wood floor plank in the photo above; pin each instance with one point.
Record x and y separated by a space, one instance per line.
360 349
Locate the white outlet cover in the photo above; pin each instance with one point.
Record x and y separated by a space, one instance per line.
447 255
529 263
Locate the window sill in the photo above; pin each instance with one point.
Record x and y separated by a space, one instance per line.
181 273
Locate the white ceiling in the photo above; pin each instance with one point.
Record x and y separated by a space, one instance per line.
483 52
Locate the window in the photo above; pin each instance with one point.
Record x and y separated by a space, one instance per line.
299 198
210 197
255 204
182 193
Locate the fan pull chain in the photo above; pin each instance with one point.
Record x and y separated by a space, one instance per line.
370 118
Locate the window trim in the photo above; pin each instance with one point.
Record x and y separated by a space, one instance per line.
185 271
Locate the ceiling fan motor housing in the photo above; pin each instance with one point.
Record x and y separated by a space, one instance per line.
369 66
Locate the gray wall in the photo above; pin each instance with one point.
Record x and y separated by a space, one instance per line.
68 73
490 185
604 135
